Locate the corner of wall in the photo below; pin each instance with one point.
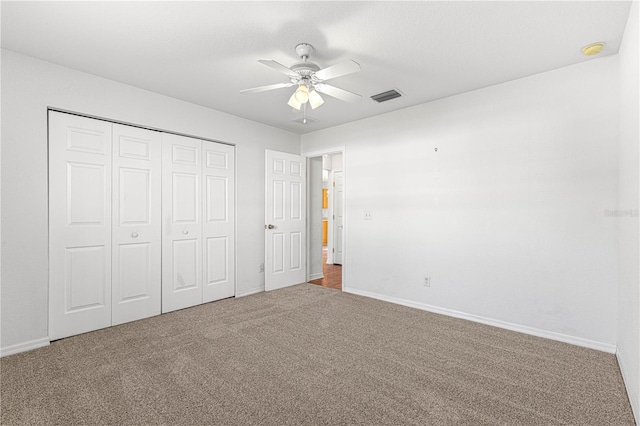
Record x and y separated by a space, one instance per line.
628 327
634 397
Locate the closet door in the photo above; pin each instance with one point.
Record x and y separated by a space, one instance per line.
218 220
181 222
79 225
136 232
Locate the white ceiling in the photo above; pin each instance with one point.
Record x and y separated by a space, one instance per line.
206 52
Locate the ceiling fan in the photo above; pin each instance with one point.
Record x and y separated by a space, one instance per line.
310 79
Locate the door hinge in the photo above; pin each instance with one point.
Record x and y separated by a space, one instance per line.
333 250
334 217
334 184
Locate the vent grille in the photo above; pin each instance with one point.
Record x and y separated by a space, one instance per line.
386 96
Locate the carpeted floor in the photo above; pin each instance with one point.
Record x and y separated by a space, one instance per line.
308 355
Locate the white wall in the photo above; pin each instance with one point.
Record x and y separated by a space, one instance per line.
29 86
629 193
508 218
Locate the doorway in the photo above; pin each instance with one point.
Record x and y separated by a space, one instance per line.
326 219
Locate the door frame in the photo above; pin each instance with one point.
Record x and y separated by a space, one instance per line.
332 216
319 153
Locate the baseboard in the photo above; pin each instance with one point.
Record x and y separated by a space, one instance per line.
578 341
634 397
315 276
250 292
23 347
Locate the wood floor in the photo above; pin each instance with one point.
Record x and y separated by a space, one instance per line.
332 274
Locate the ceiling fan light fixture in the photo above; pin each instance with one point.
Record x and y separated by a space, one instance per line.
293 102
302 94
315 100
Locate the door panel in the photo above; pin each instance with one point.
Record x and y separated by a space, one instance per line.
181 224
135 275
285 204
136 257
135 196
278 200
219 220
296 251
186 265
217 255
216 196
277 253
296 201
79 225
186 155
185 197
85 205
84 278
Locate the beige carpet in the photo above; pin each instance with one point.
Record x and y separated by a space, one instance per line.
309 355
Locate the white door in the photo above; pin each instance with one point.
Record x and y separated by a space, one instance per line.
218 165
182 222
285 205
338 200
79 225
136 231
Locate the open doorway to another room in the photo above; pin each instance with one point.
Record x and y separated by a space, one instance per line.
326 220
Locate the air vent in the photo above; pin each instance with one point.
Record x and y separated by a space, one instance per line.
305 120
386 96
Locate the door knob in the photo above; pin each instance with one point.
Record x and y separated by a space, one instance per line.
134 235
185 232
270 226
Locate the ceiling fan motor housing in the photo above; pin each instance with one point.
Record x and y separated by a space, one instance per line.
304 50
304 69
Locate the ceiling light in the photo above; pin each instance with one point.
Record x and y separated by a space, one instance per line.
293 102
315 100
593 49
302 94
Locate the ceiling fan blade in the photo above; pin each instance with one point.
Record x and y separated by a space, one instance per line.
338 70
336 92
278 67
265 88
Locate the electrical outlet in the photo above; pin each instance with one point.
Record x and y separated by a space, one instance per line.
261 267
368 215
427 281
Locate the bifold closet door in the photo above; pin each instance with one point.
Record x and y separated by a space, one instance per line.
79 225
218 222
198 242
181 222
140 222
136 230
